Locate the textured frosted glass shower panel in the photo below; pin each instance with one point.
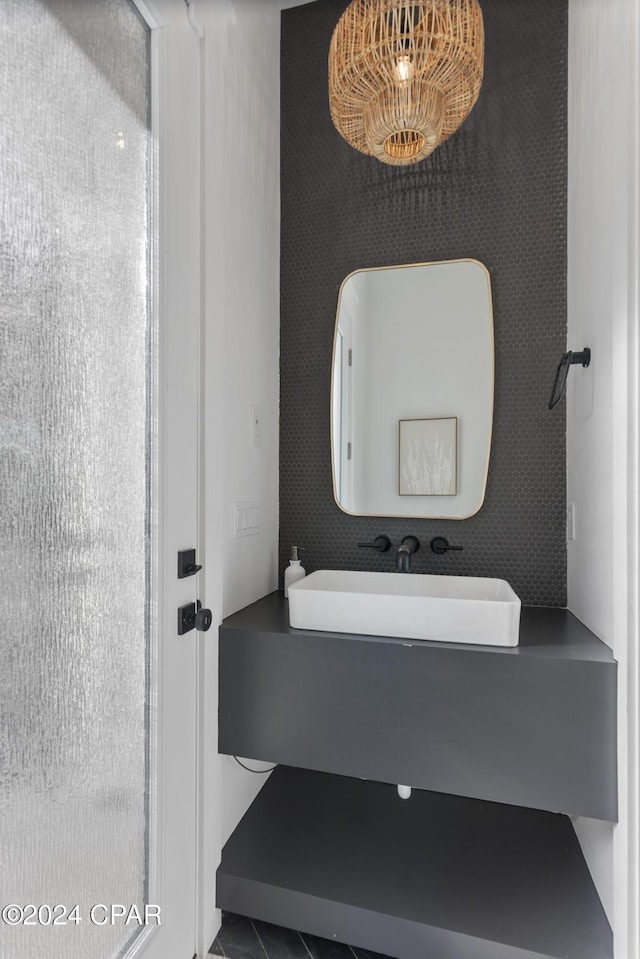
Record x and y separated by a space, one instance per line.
74 476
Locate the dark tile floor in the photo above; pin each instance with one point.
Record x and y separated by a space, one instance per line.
242 938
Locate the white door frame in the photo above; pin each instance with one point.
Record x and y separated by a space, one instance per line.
175 195
626 849
627 854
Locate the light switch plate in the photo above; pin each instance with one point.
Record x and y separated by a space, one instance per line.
246 518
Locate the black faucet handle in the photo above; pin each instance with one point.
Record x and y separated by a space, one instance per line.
381 543
440 545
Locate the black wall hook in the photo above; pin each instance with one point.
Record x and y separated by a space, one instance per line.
560 382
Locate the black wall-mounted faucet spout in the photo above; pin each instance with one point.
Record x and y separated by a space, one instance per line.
409 545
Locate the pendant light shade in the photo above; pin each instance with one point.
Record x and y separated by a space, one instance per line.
404 75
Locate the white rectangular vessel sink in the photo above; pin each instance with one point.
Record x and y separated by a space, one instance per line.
451 609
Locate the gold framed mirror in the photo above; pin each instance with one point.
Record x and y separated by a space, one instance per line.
412 390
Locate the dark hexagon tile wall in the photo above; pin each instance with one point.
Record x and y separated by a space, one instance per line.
495 191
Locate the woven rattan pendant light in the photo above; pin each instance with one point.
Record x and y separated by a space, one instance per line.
404 75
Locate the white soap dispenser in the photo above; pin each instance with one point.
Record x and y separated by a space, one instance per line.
294 571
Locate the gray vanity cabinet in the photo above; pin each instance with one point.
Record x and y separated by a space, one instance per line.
534 725
497 742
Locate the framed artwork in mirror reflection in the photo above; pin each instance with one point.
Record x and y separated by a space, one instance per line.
428 454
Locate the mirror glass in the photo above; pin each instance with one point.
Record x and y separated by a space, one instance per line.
412 390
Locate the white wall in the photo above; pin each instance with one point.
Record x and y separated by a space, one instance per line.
602 441
240 363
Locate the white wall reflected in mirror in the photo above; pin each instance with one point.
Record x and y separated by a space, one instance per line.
412 390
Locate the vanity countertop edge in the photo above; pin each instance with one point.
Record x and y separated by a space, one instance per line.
545 631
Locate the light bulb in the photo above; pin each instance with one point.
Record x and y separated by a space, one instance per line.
403 69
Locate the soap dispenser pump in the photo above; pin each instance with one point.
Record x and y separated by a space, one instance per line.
294 571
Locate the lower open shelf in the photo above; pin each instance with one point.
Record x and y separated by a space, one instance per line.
436 875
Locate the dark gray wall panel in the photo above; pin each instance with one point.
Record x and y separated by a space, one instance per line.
495 191
533 725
